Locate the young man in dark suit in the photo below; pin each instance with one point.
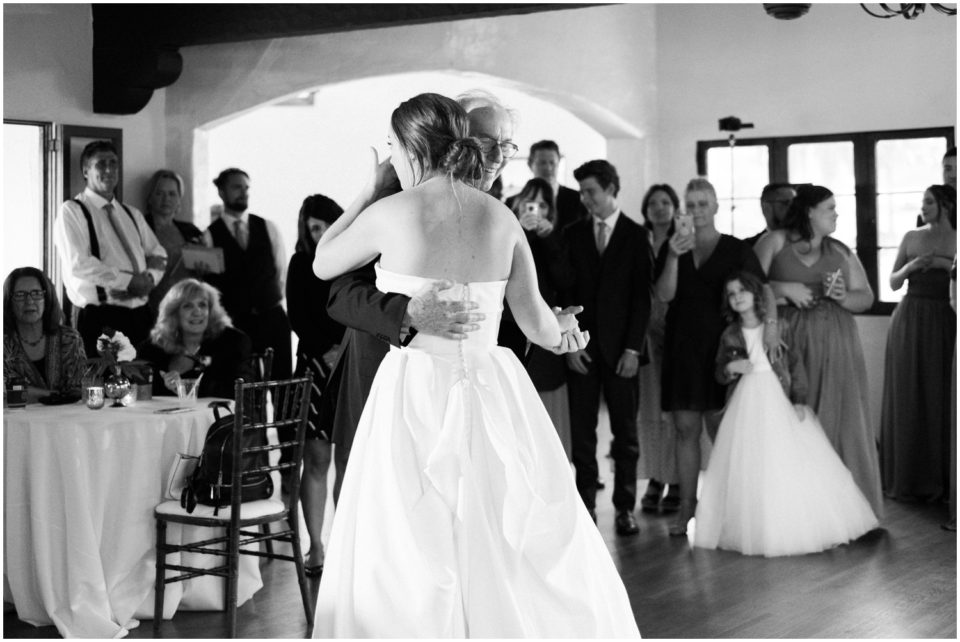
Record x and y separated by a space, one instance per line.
612 264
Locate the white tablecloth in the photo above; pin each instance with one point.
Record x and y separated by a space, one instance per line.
79 533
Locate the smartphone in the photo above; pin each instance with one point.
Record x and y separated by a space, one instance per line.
684 224
531 208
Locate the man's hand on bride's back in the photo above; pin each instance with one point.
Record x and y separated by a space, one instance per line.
571 338
430 314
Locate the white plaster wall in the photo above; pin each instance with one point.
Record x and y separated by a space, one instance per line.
834 70
598 62
48 76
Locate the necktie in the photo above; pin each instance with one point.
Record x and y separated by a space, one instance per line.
601 237
118 230
238 233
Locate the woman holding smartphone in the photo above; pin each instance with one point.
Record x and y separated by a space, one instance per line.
691 269
535 208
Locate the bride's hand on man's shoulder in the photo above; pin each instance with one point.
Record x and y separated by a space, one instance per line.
430 314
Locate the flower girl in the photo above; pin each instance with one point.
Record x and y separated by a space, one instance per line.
774 485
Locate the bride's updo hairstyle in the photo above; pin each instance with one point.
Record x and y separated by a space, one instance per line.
433 129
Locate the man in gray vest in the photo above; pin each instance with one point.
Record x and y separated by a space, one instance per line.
110 257
252 283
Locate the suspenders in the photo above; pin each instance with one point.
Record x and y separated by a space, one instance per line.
95 244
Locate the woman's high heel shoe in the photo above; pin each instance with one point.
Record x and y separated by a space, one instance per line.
688 508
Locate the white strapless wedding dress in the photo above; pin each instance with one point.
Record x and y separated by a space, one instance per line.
458 515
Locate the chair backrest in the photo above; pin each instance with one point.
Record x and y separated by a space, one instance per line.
259 406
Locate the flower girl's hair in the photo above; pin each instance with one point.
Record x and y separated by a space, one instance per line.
752 284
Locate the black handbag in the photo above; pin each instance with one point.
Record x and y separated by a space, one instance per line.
211 482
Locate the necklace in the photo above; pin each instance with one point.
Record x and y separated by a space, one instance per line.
32 344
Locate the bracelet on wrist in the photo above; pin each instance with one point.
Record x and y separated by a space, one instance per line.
770 321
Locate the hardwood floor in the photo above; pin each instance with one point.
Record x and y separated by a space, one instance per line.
898 582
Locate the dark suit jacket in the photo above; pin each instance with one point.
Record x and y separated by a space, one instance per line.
569 208
373 320
615 289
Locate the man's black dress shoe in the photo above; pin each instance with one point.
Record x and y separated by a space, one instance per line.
626 523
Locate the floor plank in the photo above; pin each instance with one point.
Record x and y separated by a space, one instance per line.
898 582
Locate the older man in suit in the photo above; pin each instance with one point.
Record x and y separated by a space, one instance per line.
376 320
612 265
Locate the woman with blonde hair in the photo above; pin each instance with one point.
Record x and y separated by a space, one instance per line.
194 335
163 205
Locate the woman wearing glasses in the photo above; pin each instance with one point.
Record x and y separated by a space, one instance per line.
37 349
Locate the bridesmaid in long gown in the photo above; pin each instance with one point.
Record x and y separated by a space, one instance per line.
458 515
915 425
824 284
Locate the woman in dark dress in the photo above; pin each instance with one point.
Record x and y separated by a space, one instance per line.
193 335
535 208
163 205
915 424
691 269
319 346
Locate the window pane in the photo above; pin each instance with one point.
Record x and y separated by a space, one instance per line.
909 164
885 259
751 169
896 215
751 166
746 219
846 220
22 196
827 164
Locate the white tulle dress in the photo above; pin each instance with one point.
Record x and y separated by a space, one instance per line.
774 485
458 515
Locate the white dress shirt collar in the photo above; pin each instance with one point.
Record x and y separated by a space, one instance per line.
98 201
610 221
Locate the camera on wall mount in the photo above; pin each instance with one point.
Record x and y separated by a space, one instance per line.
733 124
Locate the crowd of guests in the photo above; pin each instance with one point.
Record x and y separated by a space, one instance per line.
653 297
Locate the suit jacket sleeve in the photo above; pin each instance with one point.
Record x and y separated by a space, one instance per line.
356 303
642 293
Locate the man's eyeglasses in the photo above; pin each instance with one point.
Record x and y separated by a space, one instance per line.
507 148
21 295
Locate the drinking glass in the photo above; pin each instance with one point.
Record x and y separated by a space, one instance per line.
94 397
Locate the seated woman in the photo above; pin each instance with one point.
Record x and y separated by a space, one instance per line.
37 348
163 204
194 335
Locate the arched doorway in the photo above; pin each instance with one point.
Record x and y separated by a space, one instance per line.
316 141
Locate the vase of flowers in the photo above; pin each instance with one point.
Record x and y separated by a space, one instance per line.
116 359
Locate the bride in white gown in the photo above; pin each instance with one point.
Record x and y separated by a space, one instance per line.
458 515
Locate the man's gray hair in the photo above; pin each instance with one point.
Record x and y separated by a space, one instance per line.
479 98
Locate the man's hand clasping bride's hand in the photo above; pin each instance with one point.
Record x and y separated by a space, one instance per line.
571 338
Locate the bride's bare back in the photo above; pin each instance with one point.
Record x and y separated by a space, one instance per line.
444 229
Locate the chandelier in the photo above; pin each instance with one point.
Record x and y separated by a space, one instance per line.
908 10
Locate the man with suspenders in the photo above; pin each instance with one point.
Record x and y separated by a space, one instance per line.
110 257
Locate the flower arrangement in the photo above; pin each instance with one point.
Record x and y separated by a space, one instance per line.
116 352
